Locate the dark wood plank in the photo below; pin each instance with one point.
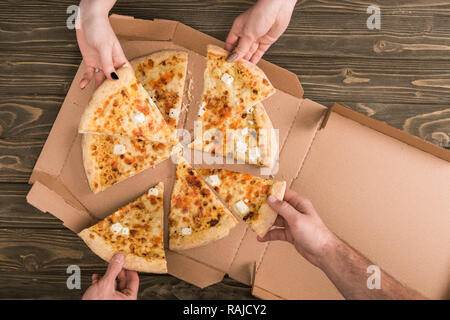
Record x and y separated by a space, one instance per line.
33 264
16 213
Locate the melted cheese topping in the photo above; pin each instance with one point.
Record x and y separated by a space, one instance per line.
136 228
239 189
193 205
164 78
111 167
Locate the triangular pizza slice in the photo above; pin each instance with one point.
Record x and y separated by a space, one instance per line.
163 75
246 195
135 230
197 217
232 121
109 159
124 108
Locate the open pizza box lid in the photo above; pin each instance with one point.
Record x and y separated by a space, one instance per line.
363 185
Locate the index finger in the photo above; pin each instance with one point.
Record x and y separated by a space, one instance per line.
231 41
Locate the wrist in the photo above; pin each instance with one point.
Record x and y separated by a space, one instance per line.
328 248
95 9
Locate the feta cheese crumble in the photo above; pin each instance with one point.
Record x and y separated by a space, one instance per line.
227 79
241 207
186 231
119 149
213 180
153 192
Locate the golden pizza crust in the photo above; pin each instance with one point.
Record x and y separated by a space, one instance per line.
267 140
186 213
143 219
115 103
89 165
104 168
100 247
266 215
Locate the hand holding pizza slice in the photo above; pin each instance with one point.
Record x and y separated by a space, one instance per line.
246 195
135 230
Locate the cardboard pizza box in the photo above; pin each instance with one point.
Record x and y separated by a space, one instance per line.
308 134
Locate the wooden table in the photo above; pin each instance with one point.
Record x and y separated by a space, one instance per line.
399 74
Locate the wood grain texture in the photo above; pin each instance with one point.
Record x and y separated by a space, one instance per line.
399 75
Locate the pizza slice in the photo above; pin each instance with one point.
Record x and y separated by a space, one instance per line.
163 75
246 195
197 217
124 108
136 230
232 121
109 159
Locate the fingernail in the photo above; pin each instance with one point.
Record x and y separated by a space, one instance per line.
271 199
114 76
118 258
232 57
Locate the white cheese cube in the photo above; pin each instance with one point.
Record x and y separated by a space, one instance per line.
201 111
174 113
241 207
153 192
138 117
213 180
125 231
116 228
254 153
251 122
119 149
186 231
241 146
227 79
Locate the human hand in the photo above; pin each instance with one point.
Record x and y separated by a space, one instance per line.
98 44
300 225
106 288
255 30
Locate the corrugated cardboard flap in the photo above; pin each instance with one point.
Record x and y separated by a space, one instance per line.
47 200
386 129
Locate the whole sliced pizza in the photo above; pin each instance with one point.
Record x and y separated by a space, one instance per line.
124 108
197 217
135 230
246 195
232 121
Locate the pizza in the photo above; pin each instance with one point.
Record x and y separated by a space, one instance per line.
232 121
163 75
135 230
246 195
197 217
124 108
109 159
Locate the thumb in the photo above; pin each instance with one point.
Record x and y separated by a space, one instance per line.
284 209
114 267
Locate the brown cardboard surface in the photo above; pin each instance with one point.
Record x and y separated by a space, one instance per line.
386 198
